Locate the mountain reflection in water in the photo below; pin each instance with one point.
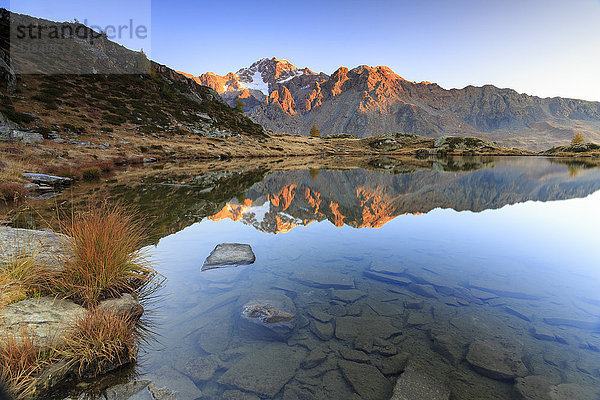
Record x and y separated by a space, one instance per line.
361 198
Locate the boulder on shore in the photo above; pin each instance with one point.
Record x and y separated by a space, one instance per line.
46 319
47 179
15 243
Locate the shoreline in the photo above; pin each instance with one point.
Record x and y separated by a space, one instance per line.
79 326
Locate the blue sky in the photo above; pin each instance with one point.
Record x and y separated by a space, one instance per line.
540 47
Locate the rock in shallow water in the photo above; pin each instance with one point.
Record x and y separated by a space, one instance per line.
266 370
395 364
366 380
323 278
323 330
496 360
229 255
414 384
269 317
169 384
349 328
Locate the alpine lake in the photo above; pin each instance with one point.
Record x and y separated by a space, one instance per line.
470 278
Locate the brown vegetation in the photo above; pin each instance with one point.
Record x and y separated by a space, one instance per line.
12 191
103 257
20 361
100 340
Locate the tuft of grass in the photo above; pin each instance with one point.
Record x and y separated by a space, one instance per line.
12 191
99 340
103 257
20 362
22 278
91 174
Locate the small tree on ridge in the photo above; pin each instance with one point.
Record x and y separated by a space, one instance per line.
239 105
314 131
578 139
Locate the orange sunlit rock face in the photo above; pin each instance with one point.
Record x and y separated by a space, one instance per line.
284 98
283 226
376 208
196 78
219 83
313 198
284 198
338 218
234 212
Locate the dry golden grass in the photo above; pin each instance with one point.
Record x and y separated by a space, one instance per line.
100 339
97 342
12 192
22 278
103 256
20 362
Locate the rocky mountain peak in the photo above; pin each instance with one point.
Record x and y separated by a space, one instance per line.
284 99
367 100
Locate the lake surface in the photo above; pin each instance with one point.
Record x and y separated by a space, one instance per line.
480 279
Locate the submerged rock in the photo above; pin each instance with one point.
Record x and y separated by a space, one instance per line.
238 395
367 329
414 384
448 346
366 380
271 317
229 255
397 280
505 289
354 355
323 278
496 360
347 296
323 330
388 269
125 391
542 333
169 384
202 369
571 391
395 364
534 387
591 325
265 371
314 358
319 315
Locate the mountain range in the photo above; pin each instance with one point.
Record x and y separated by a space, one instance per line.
366 101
